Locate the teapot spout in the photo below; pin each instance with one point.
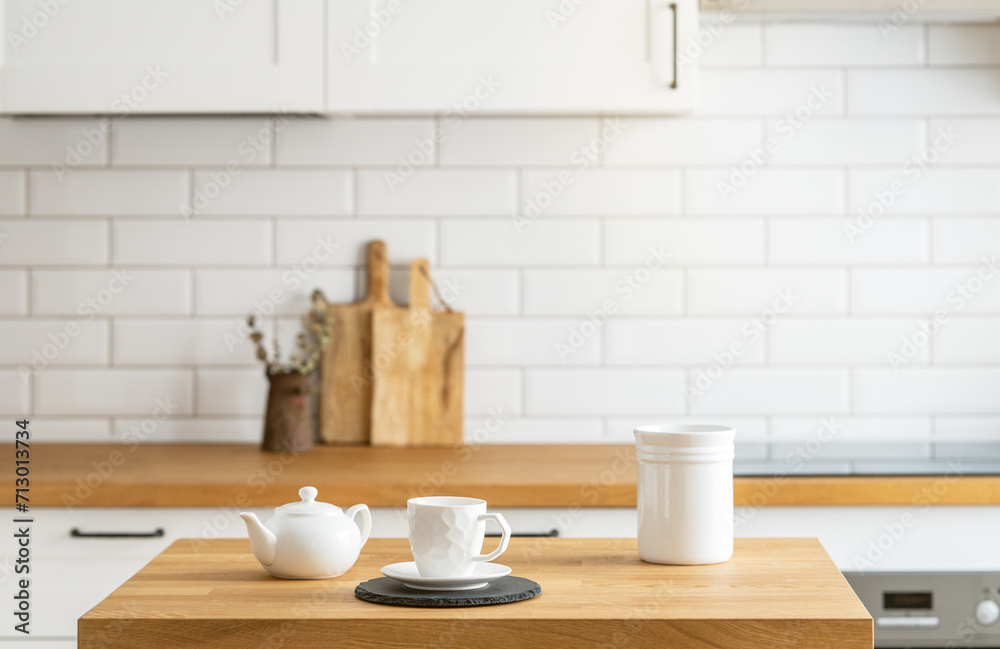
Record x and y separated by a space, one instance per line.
262 540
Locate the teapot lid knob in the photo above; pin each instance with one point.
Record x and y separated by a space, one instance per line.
308 494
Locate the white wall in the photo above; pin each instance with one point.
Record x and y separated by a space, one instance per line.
78 204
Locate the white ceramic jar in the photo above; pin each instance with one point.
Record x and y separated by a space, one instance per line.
685 493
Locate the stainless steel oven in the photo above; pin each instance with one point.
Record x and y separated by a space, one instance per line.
931 609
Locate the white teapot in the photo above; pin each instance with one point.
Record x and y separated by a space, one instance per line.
309 539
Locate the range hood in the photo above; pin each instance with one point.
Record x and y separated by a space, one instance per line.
860 10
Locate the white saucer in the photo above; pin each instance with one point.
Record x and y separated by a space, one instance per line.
484 573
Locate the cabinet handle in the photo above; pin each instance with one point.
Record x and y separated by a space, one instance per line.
550 534
155 534
673 11
665 70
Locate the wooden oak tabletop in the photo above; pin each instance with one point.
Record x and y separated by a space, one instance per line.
240 475
595 593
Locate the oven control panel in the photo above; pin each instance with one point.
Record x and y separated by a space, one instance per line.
931 609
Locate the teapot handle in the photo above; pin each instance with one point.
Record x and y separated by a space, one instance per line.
366 521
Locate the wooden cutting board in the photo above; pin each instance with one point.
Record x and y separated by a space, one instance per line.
420 356
345 415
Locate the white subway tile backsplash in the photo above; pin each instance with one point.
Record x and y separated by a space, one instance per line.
965 241
190 431
732 44
964 44
923 92
690 242
971 141
200 242
13 292
489 391
141 392
839 342
76 430
771 93
818 45
108 193
769 391
53 243
182 342
537 431
840 430
58 142
12 193
845 141
765 191
942 390
923 291
436 192
604 392
114 291
15 397
912 190
967 429
345 242
683 141
39 344
521 242
814 453
611 192
532 342
189 141
356 142
691 341
843 242
253 192
232 392
525 141
283 291
817 439
749 430
603 292
753 291
968 341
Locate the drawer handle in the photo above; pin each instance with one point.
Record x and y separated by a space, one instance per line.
530 535
155 534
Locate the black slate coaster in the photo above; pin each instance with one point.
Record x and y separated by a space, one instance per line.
505 590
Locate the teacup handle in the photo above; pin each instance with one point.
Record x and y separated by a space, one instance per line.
366 521
504 538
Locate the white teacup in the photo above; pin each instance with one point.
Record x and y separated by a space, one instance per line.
447 533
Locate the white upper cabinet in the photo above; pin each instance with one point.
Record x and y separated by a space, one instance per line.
509 56
880 10
161 56
346 56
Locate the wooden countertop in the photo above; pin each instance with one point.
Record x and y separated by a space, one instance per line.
595 593
175 475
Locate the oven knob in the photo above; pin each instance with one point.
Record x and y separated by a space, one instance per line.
987 612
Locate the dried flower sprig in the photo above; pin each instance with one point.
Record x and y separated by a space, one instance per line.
309 343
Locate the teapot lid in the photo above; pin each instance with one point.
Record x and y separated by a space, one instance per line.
308 504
